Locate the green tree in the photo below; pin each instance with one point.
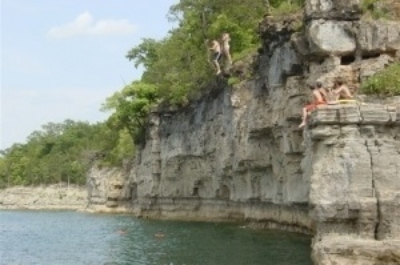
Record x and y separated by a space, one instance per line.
61 152
178 65
130 107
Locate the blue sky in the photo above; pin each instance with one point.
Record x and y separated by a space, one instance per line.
60 59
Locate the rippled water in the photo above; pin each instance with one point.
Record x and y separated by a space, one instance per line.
30 237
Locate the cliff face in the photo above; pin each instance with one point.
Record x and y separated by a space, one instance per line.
353 159
232 155
108 190
237 153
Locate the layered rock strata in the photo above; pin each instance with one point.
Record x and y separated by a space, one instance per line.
108 190
353 159
343 250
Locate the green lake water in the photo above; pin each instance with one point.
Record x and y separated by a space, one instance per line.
57 237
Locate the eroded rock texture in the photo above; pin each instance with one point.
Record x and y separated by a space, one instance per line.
108 189
235 153
342 250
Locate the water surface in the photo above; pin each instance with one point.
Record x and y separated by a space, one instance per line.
40 237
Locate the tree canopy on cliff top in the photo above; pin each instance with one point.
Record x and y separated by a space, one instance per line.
178 64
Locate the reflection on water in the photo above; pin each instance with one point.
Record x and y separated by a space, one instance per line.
78 238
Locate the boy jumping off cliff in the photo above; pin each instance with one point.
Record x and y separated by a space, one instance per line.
319 95
216 49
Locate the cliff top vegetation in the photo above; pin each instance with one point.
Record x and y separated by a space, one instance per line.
384 83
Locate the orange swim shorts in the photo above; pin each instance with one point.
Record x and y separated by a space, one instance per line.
313 105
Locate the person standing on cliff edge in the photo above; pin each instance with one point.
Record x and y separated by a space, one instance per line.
215 47
319 95
225 39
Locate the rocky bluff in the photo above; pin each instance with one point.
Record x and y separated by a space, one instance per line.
237 153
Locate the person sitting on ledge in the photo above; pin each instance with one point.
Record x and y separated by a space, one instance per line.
341 90
319 95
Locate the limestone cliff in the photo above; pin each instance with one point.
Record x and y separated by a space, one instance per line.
108 189
237 152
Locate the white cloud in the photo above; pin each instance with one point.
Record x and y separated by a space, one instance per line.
86 25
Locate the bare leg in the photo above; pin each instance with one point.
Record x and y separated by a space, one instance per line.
228 57
347 92
344 92
217 66
304 119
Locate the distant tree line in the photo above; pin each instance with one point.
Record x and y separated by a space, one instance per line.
63 152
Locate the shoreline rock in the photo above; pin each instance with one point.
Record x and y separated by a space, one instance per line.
347 250
51 197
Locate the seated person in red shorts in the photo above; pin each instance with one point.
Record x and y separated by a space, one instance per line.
319 95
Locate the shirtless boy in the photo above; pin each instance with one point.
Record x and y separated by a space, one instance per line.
226 47
216 49
319 95
341 90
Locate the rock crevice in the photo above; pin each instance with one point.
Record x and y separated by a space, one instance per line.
374 193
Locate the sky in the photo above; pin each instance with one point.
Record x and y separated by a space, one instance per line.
60 59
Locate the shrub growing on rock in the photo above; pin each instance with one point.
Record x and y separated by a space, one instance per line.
385 82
